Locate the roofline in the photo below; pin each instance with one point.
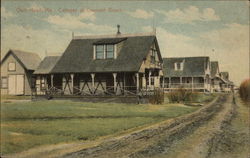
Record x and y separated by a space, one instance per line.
186 76
14 55
93 72
115 35
187 57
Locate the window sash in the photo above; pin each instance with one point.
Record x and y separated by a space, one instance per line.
105 51
4 82
152 80
109 51
178 66
99 52
12 66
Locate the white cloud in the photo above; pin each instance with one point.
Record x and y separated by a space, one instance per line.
33 40
232 48
141 14
5 13
189 15
81 21
174 45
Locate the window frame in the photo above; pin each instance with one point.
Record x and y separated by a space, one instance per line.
14 66
105 51
96 52
6 87
152 80
113 46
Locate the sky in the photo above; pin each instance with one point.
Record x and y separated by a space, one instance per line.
218 29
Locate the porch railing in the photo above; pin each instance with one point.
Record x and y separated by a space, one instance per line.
184 85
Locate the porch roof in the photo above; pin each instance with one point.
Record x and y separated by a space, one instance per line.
193 66
47 65
78 57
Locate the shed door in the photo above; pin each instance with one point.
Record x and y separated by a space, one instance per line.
19 84
16 84
12 84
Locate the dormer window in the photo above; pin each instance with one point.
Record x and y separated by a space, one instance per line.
105 51
107 48
178 66
99 52
110 51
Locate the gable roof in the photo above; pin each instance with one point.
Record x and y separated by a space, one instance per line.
225 75
214 68
78 57
193 66
28 60
47 65
225 78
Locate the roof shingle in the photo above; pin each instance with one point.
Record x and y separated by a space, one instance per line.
193 66
78 57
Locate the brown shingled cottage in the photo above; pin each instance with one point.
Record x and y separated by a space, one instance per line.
187 72
120 64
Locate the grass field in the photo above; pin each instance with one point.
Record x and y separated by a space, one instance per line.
28 124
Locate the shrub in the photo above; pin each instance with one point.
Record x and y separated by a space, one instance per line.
182 95
157 97
244 91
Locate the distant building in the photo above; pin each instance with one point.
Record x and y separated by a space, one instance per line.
119 64
216 81
187 72
17 68
226 84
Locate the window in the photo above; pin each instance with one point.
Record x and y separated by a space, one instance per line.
153 54
4 83
110 51
100 52
105 51
12 66
178 66
152 80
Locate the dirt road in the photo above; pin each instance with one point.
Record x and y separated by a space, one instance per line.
201 134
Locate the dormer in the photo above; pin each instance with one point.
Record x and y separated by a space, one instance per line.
178 66
107 48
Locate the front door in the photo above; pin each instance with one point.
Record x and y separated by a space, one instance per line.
16 84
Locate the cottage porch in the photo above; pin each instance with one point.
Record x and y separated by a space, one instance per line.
97 84
192 83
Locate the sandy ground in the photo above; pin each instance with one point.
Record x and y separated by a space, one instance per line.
212 131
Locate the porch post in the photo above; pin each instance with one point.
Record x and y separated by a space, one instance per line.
181 80
114 76
169 83
72 82
149 79
137 82
163 82
143 81
192 83
124 83
204 81
51 80
93 80
45 82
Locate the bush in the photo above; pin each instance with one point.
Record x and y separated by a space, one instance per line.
182 95
244 91
157 97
